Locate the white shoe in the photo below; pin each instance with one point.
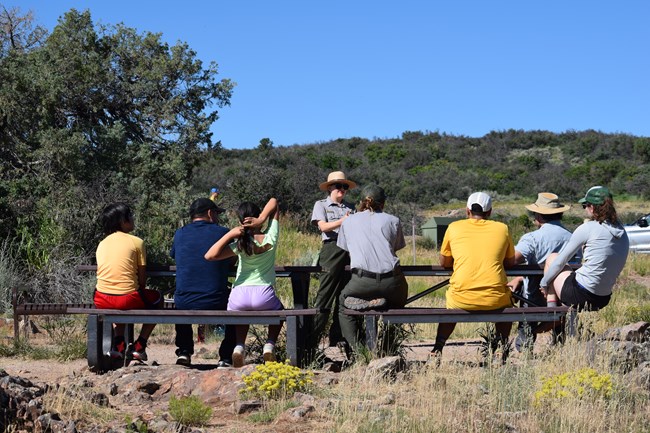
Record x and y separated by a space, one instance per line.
269 352
238 356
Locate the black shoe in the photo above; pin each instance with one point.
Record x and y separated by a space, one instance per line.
137 351
184 359
525 339
224 364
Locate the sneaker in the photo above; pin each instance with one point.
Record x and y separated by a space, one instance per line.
435 358
359 304
224 364
117 351
238 356
137 351
501 353
269 352
184 359
525 340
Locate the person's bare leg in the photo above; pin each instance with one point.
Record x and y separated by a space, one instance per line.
241 331
274 332
146 330
554 289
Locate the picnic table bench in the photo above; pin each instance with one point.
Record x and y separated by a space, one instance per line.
300 277
100 326
443 315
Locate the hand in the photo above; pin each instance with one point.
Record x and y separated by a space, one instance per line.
544 291
237 231
515 284
252 222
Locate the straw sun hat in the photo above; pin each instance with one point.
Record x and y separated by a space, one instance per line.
547 204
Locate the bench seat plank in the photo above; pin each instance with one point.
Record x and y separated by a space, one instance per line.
443 315
100 325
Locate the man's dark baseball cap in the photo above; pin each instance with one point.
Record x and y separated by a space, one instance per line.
202 205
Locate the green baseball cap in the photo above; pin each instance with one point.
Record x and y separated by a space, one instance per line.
596 195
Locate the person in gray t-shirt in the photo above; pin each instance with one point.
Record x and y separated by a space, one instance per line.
533 248
605 247
372 238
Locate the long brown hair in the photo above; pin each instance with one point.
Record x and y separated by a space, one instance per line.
370 203
245 242
605 212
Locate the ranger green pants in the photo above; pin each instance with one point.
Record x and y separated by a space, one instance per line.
394 289
333 279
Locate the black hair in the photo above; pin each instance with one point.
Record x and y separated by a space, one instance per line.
477 210
546 217
114 215
245 242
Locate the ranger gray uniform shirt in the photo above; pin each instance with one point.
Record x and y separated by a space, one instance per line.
329 211
372 238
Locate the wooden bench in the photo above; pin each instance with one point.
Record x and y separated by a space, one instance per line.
443 315
100 326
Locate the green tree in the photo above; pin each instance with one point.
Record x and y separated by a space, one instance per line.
93 115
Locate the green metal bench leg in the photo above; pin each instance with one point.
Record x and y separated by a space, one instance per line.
292 341
572 322
371 332
96 344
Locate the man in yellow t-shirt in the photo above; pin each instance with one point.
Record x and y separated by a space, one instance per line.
479 250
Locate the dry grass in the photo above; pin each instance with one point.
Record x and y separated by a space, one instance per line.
458 398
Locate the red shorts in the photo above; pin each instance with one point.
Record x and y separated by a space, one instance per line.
130 301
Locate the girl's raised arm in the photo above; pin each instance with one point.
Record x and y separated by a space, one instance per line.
220 250
270 211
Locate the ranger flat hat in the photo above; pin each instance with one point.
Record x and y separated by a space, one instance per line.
337 177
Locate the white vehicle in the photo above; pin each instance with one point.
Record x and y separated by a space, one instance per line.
639 234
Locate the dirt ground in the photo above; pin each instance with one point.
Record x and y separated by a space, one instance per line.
163 356
161 368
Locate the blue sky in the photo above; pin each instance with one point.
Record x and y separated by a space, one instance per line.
310 72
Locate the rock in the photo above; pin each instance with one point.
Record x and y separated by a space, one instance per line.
641 375
298 413
34 410
149 387
627 355
113 389
303 399
100 399
241 407
49 423
386 367
637 332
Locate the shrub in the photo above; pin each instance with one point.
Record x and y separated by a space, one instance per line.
275 380
189 411
580 384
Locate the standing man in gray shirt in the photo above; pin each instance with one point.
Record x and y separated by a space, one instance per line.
328 214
